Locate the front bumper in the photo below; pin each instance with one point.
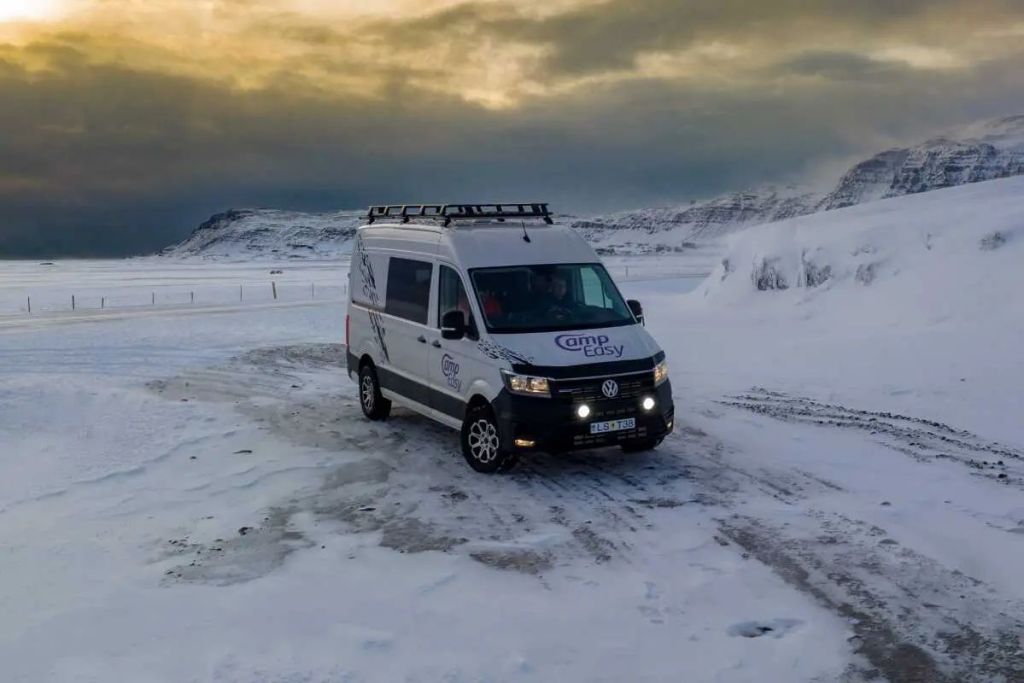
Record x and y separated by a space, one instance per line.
552 424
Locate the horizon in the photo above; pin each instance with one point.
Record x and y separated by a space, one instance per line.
130 123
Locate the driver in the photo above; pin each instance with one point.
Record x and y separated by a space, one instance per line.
558 301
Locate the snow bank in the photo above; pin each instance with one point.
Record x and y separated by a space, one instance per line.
950 254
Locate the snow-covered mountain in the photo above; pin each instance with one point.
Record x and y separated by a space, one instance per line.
986 151
272 234
681 227
982 151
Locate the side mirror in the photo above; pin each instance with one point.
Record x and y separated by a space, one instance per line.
453 325
637 309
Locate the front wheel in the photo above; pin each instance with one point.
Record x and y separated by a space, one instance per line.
373 403
640 446
481 443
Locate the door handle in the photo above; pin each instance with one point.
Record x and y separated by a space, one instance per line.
421 339
437 344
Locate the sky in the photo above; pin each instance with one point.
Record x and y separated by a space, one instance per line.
125 123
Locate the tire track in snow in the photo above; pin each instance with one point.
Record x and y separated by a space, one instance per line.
915 619
922 439
551 510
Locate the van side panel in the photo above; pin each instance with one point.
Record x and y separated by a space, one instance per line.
369 272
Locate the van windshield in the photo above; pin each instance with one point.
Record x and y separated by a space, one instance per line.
547 298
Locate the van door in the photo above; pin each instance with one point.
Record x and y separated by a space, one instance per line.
407 305
454 363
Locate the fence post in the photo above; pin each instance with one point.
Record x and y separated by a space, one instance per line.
103 302
30 305
273 286
72 302
154 298
240 298
192 295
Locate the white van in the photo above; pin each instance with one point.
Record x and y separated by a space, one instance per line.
493 320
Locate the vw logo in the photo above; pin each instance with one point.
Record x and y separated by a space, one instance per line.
610 388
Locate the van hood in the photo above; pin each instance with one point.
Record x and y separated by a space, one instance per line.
580 347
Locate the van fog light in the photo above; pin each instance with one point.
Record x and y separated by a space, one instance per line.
648 403
583 411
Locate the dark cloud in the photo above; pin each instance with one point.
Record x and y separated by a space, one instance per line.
105 156
608 36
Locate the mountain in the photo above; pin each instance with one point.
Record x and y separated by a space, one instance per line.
982 151
986 151
272 234
673 228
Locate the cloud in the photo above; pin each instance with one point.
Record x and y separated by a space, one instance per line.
843 66
127 124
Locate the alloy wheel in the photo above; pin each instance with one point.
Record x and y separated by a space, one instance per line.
483 441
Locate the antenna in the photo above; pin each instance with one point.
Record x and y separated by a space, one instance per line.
526 236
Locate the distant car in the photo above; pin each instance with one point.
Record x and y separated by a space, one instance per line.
277 272
495 321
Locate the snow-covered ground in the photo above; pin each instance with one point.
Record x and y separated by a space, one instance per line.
159 283
192 494
162 283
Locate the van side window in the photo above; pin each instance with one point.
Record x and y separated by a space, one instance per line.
452 297
408 294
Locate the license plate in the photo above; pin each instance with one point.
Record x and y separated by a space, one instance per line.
613 426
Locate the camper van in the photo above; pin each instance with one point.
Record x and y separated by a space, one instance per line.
495 321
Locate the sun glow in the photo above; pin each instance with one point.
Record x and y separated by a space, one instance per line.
29 10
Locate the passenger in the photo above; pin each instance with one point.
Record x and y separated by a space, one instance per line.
492 306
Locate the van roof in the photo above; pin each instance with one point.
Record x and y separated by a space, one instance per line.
484 244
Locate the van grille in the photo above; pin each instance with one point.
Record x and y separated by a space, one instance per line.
589 390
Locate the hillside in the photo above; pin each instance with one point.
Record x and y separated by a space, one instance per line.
978 152
949 257
272 234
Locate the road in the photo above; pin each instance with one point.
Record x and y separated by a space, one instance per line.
914 617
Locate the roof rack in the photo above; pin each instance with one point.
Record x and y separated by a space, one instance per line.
447 213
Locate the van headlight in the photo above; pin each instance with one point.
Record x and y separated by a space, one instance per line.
660 372
527 385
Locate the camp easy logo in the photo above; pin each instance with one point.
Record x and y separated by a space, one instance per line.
450 370
592 345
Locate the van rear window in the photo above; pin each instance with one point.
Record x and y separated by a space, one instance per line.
408 293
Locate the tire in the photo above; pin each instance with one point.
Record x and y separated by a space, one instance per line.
373 403
640 446
481 443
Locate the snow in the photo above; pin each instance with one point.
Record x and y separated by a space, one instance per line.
271 234
977 152
830 508
115 486
159 283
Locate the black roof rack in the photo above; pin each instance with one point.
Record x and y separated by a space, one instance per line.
446 213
